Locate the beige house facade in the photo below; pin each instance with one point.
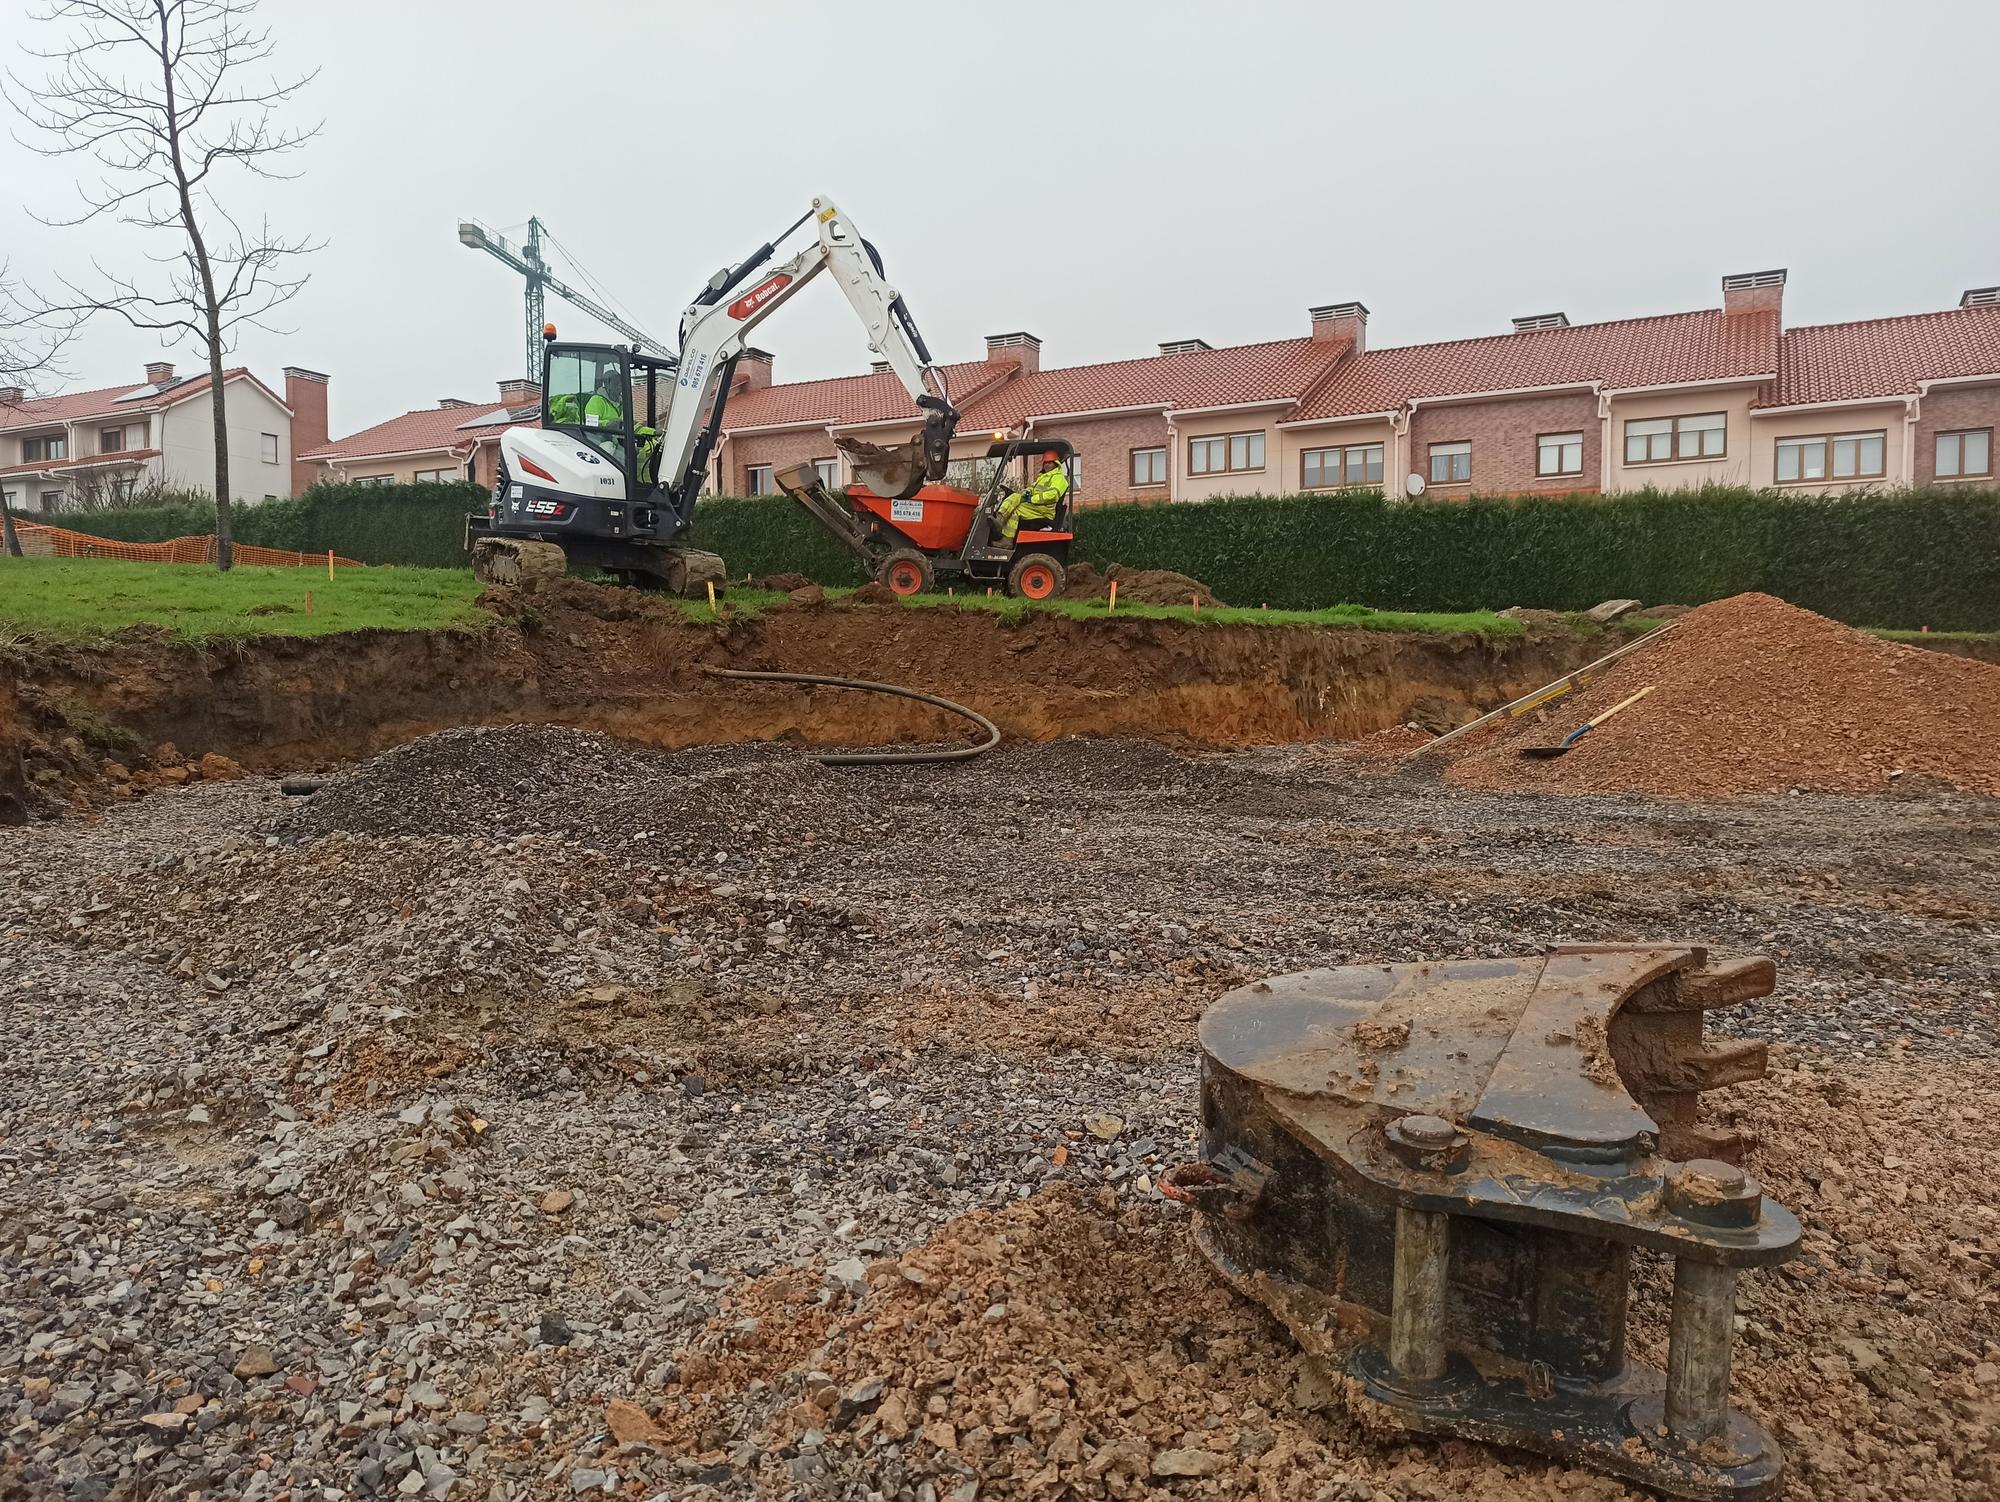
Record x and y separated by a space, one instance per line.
60 452
1719 396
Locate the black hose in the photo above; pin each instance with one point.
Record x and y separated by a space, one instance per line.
880 758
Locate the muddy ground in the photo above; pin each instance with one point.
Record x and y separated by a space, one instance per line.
615 660
528 1114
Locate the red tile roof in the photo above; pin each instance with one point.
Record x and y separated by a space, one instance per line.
89 461
1281 370
1660 351
876 397
43 411
430 429
1835 362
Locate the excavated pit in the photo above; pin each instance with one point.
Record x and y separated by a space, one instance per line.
613 661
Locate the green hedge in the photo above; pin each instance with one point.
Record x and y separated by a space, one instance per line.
421 526
1897 558
1904 558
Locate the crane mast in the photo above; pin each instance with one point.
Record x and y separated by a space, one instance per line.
527 259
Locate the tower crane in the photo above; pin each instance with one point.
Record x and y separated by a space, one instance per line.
528 260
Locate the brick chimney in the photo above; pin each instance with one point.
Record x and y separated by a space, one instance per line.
753 370
446 403
521 393
1342 320
10 396
1754 292
159 372
1024 350
305 394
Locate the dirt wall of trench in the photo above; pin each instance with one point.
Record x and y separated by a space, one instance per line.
618 662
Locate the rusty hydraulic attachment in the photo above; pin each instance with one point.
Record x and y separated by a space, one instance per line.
1435 1175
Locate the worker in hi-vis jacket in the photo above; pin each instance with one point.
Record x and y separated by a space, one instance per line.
1039 501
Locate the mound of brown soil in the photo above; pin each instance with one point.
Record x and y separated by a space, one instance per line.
1752 695
1138 586
784 583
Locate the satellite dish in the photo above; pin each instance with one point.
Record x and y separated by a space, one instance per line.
1413 485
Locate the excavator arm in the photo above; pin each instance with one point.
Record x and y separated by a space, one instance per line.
716 328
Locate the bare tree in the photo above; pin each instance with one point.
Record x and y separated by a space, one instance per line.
160 94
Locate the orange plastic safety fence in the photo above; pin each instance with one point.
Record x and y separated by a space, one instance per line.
39 541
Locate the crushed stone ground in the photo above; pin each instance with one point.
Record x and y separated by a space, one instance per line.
1752 695
439 1135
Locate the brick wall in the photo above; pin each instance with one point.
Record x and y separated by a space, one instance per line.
1104 445
1944 411
1503 434
779 450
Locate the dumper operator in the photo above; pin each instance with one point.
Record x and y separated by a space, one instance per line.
1039 501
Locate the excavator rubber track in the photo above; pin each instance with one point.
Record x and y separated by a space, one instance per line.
515 562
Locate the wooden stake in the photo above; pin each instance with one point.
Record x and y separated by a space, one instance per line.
1112 603
309 602
1196 599
329 565
711 595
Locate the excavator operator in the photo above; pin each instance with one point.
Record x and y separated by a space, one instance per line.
603 408
1039 501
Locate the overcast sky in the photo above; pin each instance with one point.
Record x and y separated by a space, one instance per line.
1104 175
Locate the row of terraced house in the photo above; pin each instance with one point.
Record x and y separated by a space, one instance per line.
1724 395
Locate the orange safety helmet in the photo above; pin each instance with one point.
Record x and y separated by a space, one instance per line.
1050 456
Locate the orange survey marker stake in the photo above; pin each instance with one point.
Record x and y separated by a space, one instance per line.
329 565
1195 600
1112 604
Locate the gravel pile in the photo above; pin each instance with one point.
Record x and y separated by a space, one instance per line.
425 1137
536 779
1752 695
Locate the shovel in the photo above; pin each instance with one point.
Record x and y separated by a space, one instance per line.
1562 747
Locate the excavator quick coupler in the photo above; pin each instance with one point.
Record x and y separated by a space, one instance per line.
1435 1175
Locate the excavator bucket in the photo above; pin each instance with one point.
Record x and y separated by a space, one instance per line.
1435 1174
895 470
899 470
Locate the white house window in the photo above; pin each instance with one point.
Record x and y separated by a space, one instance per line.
1226 453
38 450
110 440
1837 456
1341 468
1966 452
1451 463
373 480
1559 454
1657 440
1149 467
270 447
52 500
829 472
759 477
437 476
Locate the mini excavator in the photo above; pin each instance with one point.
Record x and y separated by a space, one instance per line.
611 476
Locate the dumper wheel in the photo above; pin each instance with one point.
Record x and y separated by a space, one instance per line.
907 572
1035 576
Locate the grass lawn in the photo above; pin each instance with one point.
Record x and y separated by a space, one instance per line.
747 603
83 597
